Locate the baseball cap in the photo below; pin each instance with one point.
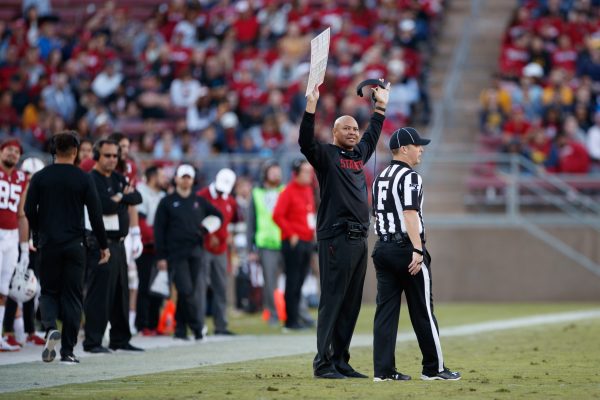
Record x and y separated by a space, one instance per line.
405 136
225 180
185 170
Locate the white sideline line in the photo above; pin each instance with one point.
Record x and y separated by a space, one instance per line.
30 372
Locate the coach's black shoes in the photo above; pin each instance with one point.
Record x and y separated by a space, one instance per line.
445 375
126 347
97 350
353 374
69 359
395 376
329 374
52 339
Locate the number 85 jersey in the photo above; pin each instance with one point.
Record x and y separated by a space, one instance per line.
12 187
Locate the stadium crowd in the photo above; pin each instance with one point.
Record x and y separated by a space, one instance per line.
543 103
211 77
204 84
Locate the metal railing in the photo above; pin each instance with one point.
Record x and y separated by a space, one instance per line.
552 199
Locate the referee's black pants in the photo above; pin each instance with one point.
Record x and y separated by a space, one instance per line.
297 263
391 265
342 267
107 298
61 276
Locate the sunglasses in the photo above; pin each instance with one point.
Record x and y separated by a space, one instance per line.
109 155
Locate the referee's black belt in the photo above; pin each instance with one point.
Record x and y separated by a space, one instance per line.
397 237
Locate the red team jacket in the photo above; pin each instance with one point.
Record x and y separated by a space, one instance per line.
295 212
11 193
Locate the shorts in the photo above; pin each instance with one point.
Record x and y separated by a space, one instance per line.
9 256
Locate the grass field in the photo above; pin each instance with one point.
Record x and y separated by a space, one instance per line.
556 361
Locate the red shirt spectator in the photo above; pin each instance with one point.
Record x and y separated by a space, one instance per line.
573 158
564 56
295 211
218 194
246 26
514 57
517 126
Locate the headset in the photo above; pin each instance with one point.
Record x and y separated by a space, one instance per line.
102 142
370 82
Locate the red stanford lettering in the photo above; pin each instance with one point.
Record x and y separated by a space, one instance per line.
351 164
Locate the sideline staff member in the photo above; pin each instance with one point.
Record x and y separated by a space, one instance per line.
179 234
342 227
54 207
107 297
402 262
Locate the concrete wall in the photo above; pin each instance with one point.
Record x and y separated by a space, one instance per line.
506 265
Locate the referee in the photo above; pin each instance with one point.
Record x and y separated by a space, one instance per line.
342 227
402 262
54 207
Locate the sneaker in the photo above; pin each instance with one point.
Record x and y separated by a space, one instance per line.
224 332
353 374
126 347
330 374
69 359
12 340
52 339
97 350
445 375
395 376
35 339
5 346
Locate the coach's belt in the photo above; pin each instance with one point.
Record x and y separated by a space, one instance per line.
120 240
393 238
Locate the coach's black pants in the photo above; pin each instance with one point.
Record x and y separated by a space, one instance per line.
297 263
148 305
107 298
391 265
190 283
61 277
342 266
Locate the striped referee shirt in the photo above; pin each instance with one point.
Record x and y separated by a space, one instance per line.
397 188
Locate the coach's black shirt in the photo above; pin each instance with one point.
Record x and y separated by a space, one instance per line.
344 193
107 187
54 206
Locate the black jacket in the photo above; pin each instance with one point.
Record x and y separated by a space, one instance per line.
177 224
344 193
108 186
54 206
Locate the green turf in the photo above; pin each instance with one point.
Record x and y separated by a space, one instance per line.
548 362
448 314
